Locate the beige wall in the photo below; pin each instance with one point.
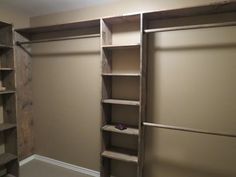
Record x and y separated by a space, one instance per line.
18 18
191 83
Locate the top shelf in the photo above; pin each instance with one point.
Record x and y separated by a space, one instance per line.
29 32
4 24
213 8
122 19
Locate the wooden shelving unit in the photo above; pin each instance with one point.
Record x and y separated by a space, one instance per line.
8 149
111 43
89 27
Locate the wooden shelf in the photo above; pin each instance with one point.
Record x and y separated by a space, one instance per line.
4 46
5 158
6 69
121 102
120 156
122 74
7 126
128 131
214 8
121 46
29 32
9 175
3 24
122 19
7 92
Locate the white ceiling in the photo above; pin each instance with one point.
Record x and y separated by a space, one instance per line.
42 7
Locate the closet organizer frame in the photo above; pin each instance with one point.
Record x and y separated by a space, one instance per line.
145 20
108 46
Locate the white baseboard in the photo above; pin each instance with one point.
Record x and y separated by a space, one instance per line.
27 160
61 164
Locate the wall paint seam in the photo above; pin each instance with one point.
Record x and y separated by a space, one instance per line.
61 164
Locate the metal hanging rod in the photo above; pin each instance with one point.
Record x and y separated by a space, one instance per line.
176 28
188 129
58 39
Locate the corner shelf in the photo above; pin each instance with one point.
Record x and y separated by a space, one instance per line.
121 102
128 131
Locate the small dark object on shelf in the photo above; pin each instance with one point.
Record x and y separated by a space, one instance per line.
121 126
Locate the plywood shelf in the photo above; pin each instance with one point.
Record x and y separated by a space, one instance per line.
121 102
9 175
7 126
7 92
121 46
134 18
5 46
6 69
214 8
122 74
120 156
128 131
30 32
5 158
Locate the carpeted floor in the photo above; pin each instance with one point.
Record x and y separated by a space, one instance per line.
37 168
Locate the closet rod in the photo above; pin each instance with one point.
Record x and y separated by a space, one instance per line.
59 39
187 129
176 28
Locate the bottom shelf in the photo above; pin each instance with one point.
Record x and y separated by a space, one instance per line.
122 155
9 175
5 158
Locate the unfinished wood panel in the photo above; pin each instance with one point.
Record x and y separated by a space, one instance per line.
24 101
105 167
142 95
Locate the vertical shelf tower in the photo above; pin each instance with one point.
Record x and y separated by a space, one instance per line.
123 92
8 133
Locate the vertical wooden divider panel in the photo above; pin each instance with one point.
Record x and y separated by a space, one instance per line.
24 100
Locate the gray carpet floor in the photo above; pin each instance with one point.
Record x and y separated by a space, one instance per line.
37 168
